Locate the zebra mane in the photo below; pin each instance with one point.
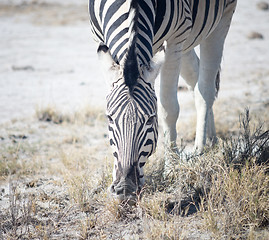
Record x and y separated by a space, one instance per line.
130 67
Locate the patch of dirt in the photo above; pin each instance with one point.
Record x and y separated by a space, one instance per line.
49 14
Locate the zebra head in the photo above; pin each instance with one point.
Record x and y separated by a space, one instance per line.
132 121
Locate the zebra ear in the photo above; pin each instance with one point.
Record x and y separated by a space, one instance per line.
109 66
150 73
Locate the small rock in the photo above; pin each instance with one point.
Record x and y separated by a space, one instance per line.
31 184
22 68
263 6
255 35
18 136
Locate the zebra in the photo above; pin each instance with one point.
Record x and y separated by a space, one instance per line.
137 40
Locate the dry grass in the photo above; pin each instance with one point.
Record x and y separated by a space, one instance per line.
237 202
222 194
86 115
17 158
227 185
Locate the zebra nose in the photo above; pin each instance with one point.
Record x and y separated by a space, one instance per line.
125 189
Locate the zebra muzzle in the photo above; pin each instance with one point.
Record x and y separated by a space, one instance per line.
125 189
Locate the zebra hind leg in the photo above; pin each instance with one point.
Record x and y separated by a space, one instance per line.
211 130
210 58
189 68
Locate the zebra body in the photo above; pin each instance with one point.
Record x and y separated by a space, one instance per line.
174 20
132 35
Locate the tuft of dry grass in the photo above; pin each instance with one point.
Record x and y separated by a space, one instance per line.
237 201
50 114
8 161
20 211
15 159
86 114
163 229
86 185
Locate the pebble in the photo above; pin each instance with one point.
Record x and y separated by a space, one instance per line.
263 5
255 35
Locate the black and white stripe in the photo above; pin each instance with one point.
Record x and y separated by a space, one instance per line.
132 124
133 31
184 21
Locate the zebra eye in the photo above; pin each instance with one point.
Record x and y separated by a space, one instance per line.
150 120
110 120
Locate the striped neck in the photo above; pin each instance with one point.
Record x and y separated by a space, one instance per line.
121 21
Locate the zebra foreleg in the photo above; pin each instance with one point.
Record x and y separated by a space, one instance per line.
189 70
168 94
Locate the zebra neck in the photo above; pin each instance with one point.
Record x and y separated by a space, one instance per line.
120 20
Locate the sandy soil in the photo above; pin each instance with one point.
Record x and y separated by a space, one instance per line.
47 57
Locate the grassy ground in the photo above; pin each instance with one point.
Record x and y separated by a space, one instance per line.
54 181
55 167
